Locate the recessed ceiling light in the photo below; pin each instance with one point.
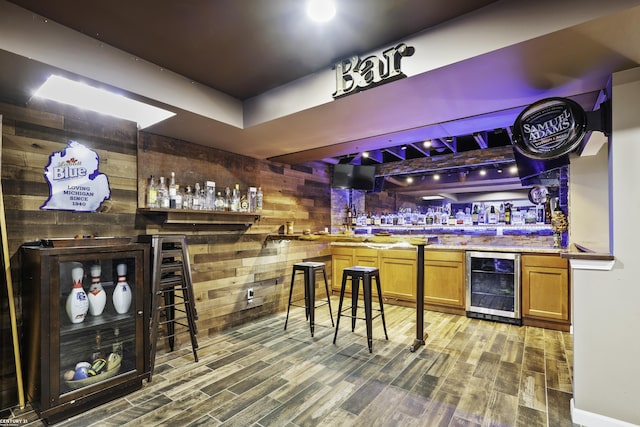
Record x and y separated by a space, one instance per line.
513 170
365 154
427 143
436 177
483 172
409 180
321 10
81 95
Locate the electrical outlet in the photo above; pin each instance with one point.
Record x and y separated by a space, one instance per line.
249 294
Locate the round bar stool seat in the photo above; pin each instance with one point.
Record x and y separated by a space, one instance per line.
309 269
361 275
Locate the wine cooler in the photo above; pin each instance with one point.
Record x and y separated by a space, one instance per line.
493 286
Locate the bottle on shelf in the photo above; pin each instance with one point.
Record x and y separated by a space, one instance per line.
347 221
452 217
219 202
210 195
172 191
152 193
97 352
492 216
187 200
252 195
235 198
501 214
259 200
227 199
163 194
354 217
179 197
196 203
507 213
243 206
474 215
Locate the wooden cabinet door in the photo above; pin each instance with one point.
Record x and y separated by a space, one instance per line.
341 258
545 292
398 274
444 278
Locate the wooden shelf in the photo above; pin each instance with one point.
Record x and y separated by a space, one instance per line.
192 217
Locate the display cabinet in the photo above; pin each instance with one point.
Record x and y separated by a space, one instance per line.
85 334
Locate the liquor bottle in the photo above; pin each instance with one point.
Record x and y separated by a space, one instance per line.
474 215
369 220
163 194
244 203
235 199
481 214
97 295
152 194
77 303
122 293
348 214
227 199
501 214
507 214
172 191
468 219
187 200
252 195
459 217
259 200
97 352
492 217
219 202
451 218
210 195
196 203
179 197
354 217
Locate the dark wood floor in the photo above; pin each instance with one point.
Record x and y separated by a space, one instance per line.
470 373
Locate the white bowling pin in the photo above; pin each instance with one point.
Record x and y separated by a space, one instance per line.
122 294
77 303
97 295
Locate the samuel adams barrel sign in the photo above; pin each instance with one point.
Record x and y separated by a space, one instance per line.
549 128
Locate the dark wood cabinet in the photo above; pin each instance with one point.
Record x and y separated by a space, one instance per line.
57 348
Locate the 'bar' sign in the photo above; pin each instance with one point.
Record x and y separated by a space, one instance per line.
354 75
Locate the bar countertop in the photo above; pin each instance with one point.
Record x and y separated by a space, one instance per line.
409 242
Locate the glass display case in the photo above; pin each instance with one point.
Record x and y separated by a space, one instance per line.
85 330
493 286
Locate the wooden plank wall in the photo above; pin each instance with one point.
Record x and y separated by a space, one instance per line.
225 262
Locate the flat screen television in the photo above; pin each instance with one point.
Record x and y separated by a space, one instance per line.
356 177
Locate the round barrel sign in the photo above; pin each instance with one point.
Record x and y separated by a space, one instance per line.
549 128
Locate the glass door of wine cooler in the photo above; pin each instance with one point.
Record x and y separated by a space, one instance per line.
493 286
97 338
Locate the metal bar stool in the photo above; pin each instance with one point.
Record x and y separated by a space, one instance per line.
309 269
362 275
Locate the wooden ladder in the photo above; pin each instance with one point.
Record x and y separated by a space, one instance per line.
171 293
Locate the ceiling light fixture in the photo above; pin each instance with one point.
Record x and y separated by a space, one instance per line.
483 172
365 154
436 177
404 147
436 197
513 170
81 95
409 180
427 143
321 10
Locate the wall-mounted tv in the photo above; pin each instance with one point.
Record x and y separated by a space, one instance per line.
356 177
